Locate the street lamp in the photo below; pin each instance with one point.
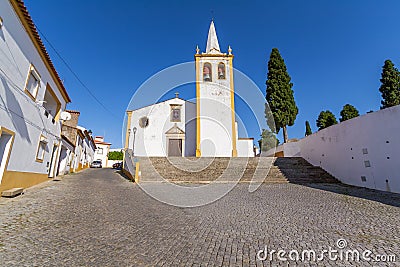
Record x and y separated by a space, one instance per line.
134 137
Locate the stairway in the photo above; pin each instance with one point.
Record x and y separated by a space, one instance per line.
204 170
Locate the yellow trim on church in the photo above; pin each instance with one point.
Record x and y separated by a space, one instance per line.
137 167
128 125
198 151
234 149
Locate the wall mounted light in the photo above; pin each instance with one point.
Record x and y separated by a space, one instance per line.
1 22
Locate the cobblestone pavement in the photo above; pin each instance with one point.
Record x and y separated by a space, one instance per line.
97 218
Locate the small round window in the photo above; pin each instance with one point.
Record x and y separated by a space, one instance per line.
144 122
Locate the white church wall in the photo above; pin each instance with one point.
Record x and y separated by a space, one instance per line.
367 146
151 140
190 129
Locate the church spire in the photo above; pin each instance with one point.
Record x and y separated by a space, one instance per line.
212 41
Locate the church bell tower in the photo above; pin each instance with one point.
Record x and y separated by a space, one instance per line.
215 103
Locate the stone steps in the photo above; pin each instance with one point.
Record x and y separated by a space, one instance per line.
205 170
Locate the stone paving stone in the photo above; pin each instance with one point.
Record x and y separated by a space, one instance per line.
97 218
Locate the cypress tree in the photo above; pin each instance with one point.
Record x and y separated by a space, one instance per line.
348 112
308 129
268 140
279 95
325 119
390 87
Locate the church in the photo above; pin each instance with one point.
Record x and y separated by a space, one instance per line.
181 128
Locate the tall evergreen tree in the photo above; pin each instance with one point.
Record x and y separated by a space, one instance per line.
279 96
348 112
308 129
325 119
390 87
268 140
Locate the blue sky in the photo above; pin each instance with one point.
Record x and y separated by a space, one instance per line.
334 50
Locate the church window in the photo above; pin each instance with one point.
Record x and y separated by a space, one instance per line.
175 114
221 71
144 122
207 72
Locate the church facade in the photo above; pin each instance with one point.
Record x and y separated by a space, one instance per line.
207 128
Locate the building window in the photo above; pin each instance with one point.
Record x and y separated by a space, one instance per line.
144 122
32 83
51 103
175 114
221 71
207 74
99 151
41 148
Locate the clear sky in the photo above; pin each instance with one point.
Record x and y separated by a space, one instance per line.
334 50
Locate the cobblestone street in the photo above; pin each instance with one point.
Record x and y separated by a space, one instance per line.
98 218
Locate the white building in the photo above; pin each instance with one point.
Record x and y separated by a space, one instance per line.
102 149
66 156
78 147
32 96
85 149
207 128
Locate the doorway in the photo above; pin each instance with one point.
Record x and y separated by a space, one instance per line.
53 161
62 163
174 147
6 140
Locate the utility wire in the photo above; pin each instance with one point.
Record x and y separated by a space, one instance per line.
75 75
6 107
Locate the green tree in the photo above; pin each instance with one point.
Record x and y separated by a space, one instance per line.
115 155
390 87
268 140
282 107
308 129
325 119
348 112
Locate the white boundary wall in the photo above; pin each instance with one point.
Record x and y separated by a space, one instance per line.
367 146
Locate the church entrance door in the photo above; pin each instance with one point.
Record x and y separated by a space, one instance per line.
175 148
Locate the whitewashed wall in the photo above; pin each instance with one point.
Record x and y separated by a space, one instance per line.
151 141
104 156
111 162
65 158
245 148
78 153
190 129
18 112
347 149
87 147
